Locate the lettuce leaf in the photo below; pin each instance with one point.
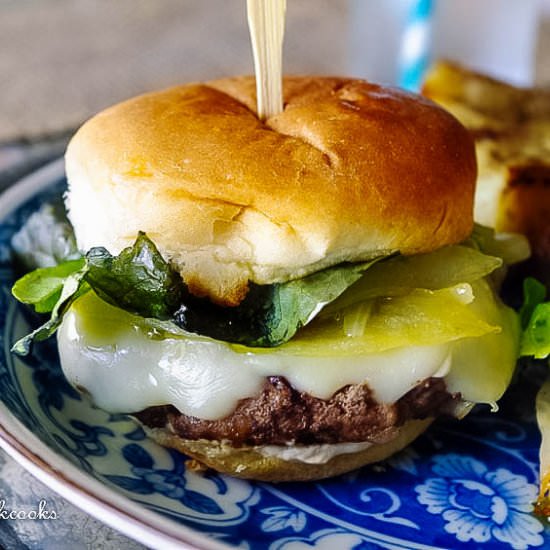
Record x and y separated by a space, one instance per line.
534 293
535 320
420 318
398 275
42 287
138 280
141 282
510 247
73 287
270 314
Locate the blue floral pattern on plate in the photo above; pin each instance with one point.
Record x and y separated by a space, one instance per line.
468 484
478 505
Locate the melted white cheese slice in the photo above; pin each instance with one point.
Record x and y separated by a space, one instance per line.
125 370
206 378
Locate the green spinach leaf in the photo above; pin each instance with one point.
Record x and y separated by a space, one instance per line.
270 314
138 280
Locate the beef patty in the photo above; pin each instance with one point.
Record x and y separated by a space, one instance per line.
280 414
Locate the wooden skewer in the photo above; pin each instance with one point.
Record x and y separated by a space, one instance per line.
266 21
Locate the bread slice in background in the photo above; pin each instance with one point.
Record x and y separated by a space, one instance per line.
511 127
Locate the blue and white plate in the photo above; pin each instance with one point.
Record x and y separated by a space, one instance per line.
467 484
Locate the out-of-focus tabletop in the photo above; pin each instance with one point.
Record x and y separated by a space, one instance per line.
63 60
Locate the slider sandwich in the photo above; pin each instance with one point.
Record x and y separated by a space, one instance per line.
280 300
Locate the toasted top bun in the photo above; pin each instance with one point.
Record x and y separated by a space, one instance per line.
350 170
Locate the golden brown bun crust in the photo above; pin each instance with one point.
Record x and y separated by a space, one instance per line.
249 464
348 171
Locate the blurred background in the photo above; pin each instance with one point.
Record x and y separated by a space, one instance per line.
63 60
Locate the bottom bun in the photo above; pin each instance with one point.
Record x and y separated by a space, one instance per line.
248 463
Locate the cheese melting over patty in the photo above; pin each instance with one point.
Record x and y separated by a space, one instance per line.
126 370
